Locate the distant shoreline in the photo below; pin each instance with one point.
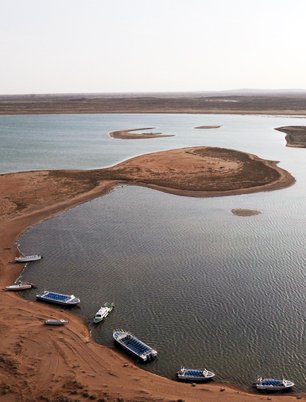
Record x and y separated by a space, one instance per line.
191 103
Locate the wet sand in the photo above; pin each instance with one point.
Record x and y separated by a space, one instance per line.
127 135
296 136
64 364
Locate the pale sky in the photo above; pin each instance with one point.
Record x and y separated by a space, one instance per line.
61 46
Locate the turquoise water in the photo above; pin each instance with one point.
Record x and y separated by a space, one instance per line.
202 286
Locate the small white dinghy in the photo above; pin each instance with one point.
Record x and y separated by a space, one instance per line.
103 312
55 322
19 286
28 258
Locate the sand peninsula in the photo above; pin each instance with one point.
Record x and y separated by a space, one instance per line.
65 364
127 135
296 136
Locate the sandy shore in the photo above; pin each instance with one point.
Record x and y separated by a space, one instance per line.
296 136
128 135
64 364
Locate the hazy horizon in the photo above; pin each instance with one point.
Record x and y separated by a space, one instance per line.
140 46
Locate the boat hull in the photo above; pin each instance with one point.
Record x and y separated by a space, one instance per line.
194 375
28 258
273 385
17 288
133 346
103 312
55 322
58 298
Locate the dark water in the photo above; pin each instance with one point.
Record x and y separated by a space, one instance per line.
202 286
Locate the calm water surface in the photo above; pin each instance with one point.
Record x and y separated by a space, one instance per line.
204 287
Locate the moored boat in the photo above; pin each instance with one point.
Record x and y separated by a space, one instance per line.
195 375
58 298
55 322
134 346
103 312
28 258
19 286
272 384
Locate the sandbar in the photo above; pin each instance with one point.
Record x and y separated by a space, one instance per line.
245 212
296 136
127 135
65 364
206 127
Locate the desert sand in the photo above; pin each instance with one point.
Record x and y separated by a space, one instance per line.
296 136
127 135
63 363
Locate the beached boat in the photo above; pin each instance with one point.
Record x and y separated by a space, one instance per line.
28 258
55 322
194 375
103 312
272 384
19 286
134 346
58 298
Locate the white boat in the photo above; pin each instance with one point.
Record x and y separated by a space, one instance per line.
103 312
28 258
19 286
194 374
55 322
272 384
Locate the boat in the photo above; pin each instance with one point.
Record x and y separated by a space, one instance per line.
19 286
272 384
28 258
134 346
103 312
58 298
187 374
55 322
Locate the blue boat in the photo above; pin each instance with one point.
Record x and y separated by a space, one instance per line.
194 374
134 346
58 298
273 384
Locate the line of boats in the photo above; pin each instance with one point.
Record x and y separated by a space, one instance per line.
128 342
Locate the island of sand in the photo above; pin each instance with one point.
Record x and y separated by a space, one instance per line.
128 135
296 136
206 127
65 364
245 212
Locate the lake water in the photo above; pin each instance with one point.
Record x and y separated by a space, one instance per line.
204 287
